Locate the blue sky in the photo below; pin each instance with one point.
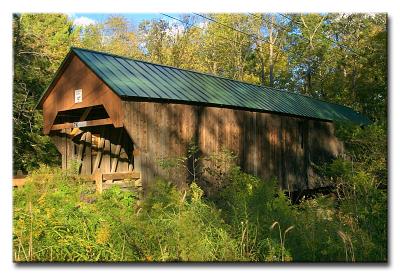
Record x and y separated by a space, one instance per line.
133 18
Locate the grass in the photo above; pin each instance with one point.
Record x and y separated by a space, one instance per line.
60 218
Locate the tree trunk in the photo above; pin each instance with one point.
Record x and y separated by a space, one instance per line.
271 52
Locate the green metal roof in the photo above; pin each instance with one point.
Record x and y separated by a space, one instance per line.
133 78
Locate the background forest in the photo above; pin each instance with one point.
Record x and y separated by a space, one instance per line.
340 58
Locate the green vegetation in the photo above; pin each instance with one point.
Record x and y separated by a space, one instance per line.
59 217
340 58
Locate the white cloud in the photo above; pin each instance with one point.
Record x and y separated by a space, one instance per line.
83 21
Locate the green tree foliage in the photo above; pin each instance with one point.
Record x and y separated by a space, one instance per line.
40 43
336 57
115 35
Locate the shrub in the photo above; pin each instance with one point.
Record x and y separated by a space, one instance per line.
58 217
181 227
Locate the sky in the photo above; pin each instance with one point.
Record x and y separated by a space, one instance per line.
84 19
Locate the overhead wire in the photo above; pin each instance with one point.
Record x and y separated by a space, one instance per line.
252 35
324 37
280 27
291 20
192 25
223 37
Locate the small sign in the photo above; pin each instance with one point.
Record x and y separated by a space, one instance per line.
78 96
80 124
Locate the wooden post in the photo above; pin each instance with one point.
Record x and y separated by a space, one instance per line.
131 160
98 178
115 159
87 157
64 157
99 153
81 150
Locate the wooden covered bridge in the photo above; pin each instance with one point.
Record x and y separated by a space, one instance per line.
119 116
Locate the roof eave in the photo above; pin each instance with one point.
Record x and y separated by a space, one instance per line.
54 80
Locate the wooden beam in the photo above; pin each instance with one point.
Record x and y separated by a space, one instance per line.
87 155
100 150
116 153
77 131
81 146
79 124
85 113
121 185
116 157
121 175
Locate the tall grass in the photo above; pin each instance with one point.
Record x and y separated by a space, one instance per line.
59 217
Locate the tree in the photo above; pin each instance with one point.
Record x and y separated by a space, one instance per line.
155 40
40 43
337 57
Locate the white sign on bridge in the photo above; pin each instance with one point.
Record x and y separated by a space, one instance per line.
78 96
80 124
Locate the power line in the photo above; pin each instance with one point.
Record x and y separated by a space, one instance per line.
223 37
192 25
278 26
252 35
291 20
324 37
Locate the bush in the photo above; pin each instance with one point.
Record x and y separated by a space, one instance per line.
59 217
324 228
181 226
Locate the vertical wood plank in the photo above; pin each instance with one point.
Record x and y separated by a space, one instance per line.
98 177
99 154
87 155
106 158
70 149
116 155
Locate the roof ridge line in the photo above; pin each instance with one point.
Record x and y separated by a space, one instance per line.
264 89
188 70
172 67
212 75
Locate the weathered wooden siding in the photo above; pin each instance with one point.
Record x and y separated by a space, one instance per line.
268 145
78 76
105 149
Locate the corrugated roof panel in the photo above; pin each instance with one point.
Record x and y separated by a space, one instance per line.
184 84
150 90
126 76
117 75
197 84
101 70
171 84
161 83
133 78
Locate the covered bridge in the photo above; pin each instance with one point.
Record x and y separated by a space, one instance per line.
119 116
